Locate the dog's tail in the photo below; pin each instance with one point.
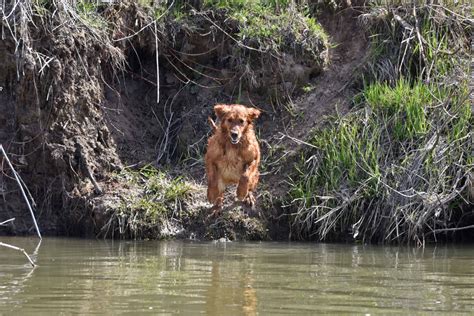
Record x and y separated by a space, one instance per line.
213 125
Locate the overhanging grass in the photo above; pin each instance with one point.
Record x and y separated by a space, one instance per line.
270 34
429 43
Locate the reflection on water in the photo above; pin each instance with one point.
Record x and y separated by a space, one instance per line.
89 276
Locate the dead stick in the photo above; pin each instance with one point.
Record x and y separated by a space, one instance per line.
18 249
157 66
451 229
7 221
17 177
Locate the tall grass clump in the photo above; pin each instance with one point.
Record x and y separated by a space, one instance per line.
398 167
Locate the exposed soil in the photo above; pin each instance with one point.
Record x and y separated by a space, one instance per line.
67 137
331 94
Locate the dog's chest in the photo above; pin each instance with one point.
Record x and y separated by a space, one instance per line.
231 166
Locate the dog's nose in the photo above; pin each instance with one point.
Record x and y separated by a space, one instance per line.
234 136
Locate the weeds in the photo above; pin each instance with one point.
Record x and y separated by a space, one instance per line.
270 36
159 199
386 171
88 11
425 41
397 167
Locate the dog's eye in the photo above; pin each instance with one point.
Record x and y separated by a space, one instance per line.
241 121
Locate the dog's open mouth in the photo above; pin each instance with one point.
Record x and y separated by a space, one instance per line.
234 138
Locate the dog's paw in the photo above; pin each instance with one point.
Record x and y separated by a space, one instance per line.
250 200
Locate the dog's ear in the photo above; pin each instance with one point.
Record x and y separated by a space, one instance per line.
253 113
221 110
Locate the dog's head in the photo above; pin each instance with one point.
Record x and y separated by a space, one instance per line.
235 120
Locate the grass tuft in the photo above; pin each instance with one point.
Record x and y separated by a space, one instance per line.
159 198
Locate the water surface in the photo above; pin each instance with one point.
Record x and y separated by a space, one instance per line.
170 277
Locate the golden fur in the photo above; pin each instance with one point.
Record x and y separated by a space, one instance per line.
233 154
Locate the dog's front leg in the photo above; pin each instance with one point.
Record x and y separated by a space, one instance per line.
244 182
214 190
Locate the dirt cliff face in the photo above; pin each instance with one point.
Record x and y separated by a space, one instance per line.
53 81
103 111
79 103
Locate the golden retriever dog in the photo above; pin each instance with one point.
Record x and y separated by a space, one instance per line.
233 155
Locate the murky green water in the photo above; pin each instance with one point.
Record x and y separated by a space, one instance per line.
89 276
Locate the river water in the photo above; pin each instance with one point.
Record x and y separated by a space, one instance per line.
267 278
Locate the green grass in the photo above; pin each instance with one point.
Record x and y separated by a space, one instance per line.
88 11
246 4
405 146
403 106
272 25
431 51
350 148
160 196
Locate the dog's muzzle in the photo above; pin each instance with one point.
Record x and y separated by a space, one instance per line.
234 137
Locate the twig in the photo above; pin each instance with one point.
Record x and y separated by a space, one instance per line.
157 66
7 221
17 177
299 141
451 229
18 249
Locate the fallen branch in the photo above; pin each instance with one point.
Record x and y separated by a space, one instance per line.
454 229
18 249
299 141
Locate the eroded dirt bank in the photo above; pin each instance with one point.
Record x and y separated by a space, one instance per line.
79 105
103 110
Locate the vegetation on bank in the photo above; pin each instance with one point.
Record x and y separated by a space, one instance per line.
395 169
262 41
155 205
398 167
259 41
274 26
160 198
